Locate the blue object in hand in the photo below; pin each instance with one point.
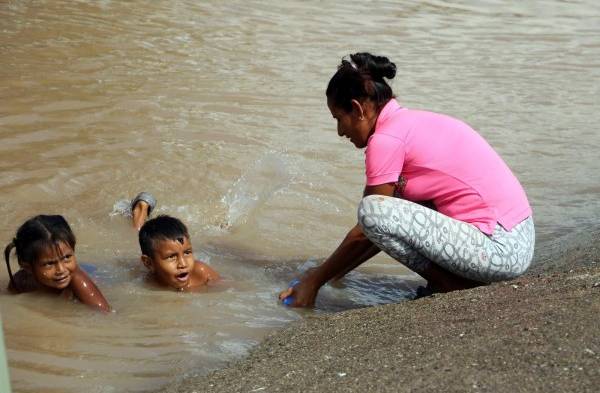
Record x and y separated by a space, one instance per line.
288 301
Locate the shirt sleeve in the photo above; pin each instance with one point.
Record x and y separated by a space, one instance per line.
384 159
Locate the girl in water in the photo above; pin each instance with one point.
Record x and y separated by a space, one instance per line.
45 248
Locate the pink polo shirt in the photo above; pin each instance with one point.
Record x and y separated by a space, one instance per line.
444 160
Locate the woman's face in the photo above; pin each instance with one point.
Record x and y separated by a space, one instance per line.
356 125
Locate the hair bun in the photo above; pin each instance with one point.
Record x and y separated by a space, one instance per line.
377 66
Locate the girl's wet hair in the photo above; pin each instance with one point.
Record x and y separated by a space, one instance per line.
35 236
361 77
162 227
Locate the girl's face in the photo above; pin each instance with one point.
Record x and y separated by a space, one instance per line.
55 266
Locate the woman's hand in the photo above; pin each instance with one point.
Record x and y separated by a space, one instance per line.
303 293
354 250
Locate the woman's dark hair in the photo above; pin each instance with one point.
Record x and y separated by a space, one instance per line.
35 236
162 227
361 78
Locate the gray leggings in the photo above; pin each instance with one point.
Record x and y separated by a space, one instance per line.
416 236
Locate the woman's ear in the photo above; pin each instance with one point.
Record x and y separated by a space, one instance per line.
147 261
358 109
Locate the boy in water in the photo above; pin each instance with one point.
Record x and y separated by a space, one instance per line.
167 253
166 248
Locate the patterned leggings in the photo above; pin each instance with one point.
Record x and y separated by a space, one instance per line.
417 236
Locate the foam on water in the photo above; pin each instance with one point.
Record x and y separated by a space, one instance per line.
122 207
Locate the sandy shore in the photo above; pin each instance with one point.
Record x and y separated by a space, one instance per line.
538 333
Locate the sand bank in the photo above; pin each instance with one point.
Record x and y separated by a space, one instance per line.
538 333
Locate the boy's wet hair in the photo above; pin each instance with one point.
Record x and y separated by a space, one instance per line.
36 235
161 228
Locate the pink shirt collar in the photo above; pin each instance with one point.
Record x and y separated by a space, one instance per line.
387 111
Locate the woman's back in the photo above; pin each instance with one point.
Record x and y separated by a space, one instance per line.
444 160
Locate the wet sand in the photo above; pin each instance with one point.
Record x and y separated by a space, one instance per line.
538 333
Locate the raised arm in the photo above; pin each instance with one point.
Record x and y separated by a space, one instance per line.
87 292
355 249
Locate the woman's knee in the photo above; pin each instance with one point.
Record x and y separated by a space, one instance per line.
366 206
370 217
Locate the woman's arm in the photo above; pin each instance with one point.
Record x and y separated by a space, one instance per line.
355 249
87 292
346 257
368 254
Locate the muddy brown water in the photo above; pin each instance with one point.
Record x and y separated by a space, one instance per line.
218 109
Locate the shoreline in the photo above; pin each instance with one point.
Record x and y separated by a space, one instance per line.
538 332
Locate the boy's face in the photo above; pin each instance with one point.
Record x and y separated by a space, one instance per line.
172 262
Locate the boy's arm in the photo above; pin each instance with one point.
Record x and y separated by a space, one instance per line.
87 292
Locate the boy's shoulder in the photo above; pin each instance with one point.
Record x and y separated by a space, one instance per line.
204 272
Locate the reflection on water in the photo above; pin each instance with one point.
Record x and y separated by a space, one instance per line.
218 109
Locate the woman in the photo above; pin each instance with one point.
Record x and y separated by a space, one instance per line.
437 197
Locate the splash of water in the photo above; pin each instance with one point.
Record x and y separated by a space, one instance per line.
254 187
122 207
